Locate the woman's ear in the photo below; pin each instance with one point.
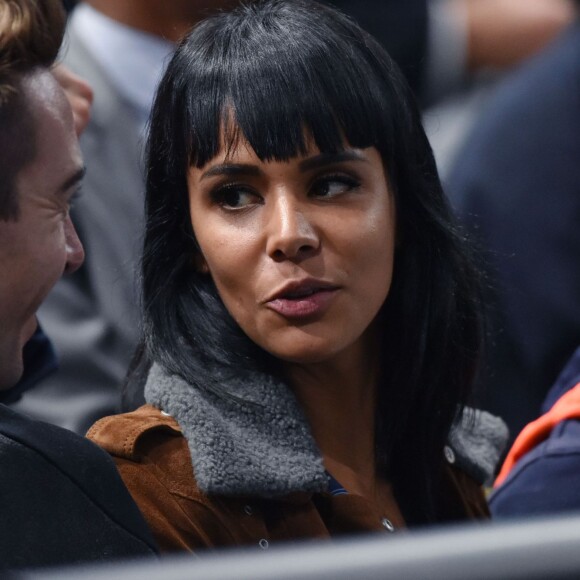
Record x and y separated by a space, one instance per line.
200 264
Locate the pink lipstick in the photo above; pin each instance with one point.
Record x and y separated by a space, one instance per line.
302 299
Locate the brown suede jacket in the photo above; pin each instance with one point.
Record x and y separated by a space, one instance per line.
154 460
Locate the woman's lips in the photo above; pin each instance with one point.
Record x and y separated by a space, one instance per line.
303 306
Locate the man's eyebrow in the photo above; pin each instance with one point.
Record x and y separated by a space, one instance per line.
75 178
330 159
229 169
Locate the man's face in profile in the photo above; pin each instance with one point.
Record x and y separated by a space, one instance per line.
41 244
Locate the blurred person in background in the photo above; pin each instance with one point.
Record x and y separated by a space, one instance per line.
61 499
516 184
473 44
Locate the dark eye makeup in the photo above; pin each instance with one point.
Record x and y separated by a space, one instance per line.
234 196
239 196
329 186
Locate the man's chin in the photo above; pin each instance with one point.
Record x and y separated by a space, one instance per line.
11 360
29 329
10 373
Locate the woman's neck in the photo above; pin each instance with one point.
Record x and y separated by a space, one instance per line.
339 400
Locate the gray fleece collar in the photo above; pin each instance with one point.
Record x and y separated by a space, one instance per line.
478 439
263 449
263 446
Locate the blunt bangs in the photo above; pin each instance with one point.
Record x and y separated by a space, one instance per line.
277 77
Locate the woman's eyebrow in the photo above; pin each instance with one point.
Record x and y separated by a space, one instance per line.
321 160
331 158
231 169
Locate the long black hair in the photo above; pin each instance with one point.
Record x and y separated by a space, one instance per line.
285 69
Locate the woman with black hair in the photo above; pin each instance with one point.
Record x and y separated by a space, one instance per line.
310 314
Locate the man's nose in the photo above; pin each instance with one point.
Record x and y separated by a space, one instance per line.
75 253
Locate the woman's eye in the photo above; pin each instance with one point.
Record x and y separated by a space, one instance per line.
233 197
333 185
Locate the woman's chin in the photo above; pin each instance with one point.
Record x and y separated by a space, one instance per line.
314 352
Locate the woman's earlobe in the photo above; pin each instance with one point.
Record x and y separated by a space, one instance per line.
200 264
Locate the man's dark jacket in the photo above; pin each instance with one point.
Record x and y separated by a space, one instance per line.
61 499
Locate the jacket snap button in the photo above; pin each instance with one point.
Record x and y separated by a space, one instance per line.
387 524
263 543
248 510
449 454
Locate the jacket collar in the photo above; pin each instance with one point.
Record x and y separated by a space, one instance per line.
477 439
261 444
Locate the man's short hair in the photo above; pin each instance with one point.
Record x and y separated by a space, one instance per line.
31 32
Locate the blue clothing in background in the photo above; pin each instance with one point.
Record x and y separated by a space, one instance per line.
516 186
547 479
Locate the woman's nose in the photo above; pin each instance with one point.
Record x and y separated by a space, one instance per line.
75 253
291 235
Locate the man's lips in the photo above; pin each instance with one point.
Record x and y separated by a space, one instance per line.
298 299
